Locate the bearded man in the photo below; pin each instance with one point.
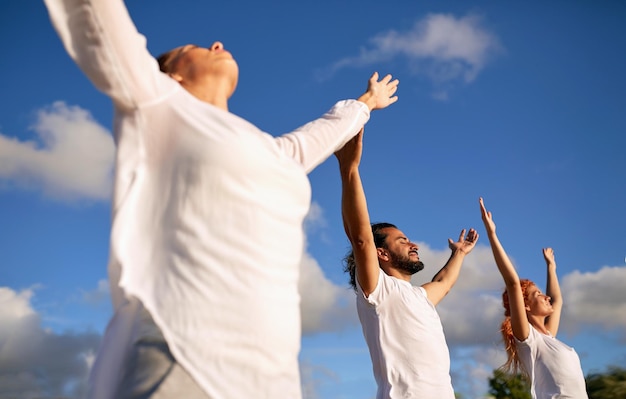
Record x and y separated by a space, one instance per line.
401 326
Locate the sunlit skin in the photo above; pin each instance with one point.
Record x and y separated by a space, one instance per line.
541 311
399 244
538 307
368 258
209 73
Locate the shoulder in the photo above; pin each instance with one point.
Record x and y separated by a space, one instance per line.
533 336
385 287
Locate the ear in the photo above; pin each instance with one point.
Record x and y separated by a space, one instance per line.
176 77
383 255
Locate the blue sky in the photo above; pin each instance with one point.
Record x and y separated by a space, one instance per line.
522 103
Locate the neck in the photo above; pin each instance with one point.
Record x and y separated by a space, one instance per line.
539 322
393 272
215 92
212 97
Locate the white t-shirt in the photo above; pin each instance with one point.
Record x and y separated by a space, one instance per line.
405 337
554 367
207 215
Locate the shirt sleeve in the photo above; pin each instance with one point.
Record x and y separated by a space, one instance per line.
380 292
530 340
527 350
101 38
313 143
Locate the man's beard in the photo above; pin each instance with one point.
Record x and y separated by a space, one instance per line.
405 264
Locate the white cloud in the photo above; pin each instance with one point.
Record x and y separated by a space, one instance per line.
441 47
313 376
35 362
315 218
17 305
325 306
594 298
472 367
472 312
71 159
99 295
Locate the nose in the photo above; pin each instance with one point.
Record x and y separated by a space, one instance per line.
414 245
217 46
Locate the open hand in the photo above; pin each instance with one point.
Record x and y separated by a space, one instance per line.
548 255
465 243
349 156
380 94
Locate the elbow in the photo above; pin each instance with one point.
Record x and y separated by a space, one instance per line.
511 279
513 284
446 284
361 241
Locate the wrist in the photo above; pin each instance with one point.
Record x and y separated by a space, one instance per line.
348 170
459 252
367 99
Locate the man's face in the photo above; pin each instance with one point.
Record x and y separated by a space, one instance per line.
402 252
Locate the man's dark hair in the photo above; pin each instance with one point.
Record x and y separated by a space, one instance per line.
349 265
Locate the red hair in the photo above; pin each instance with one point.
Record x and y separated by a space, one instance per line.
513 364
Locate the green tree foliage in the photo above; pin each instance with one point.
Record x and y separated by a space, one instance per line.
505 386
608 385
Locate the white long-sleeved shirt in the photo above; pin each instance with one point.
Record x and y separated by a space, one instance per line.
207 215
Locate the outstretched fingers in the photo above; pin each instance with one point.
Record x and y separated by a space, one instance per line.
483 211
380 94
374 78
384 90
465 242
390 85
487 217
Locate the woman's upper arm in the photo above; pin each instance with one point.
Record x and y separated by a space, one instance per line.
519 321
101 38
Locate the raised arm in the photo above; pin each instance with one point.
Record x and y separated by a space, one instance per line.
519 321
553 290
101 38
443 281
313 143
356 220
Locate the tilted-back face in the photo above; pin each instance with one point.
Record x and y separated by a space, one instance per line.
193 65
397 242
399 253
537 303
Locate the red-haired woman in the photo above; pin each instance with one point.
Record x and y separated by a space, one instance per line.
530 326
